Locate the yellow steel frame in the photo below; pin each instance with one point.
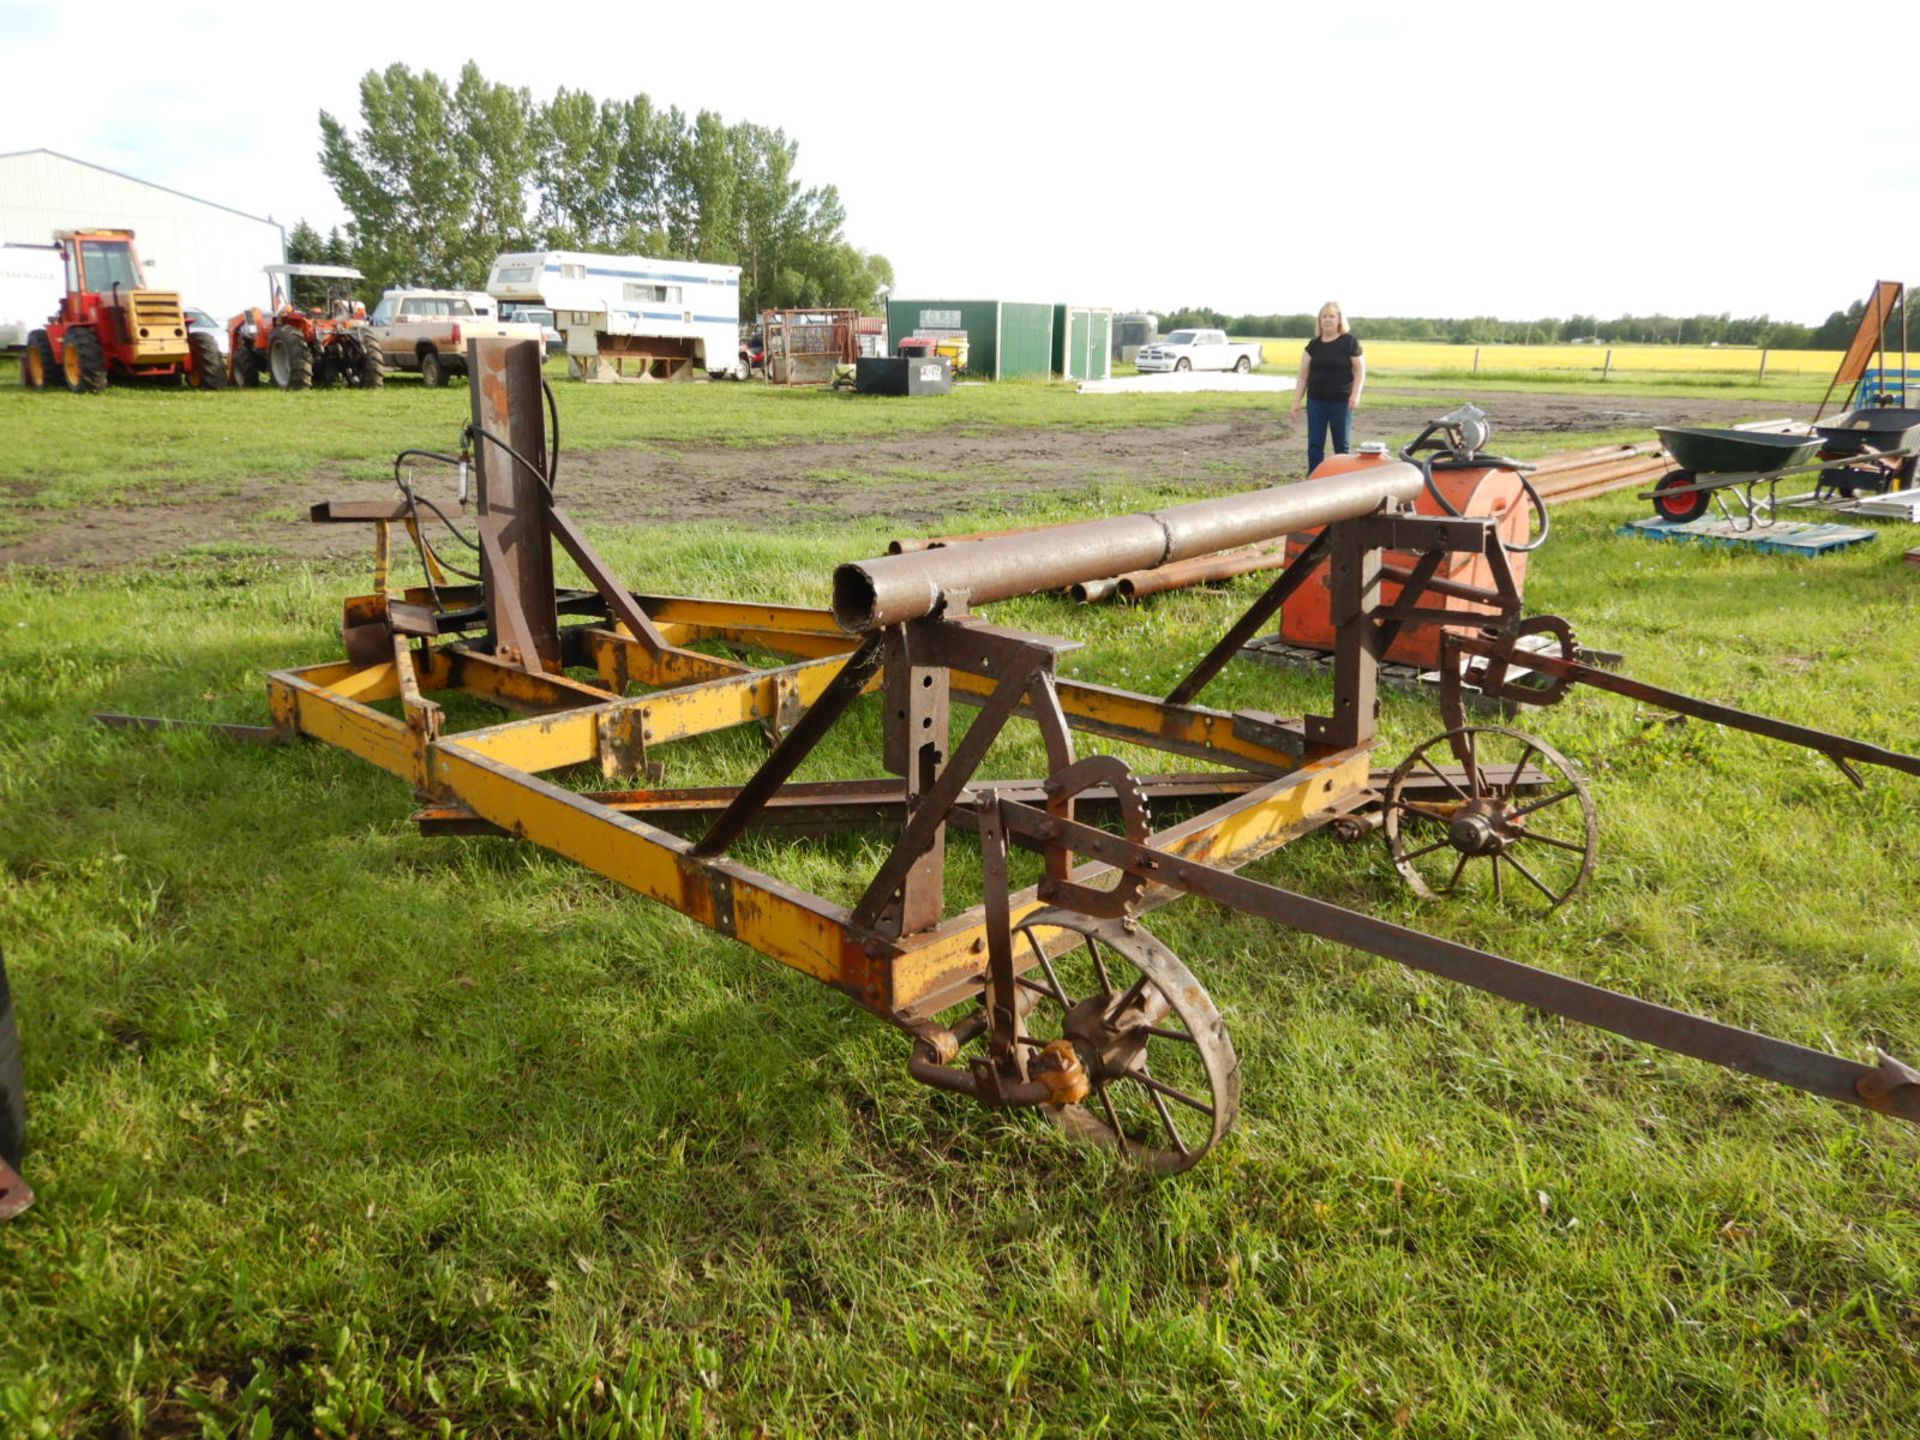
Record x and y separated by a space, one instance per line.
496 773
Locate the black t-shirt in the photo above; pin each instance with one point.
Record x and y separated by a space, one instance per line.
1330 368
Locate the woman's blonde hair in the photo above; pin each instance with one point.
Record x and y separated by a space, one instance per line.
1334 306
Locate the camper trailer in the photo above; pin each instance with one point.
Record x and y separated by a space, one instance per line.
627 316
32 285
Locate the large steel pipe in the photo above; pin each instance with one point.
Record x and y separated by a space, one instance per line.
893 589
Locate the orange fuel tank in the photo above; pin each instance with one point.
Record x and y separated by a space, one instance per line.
1307 618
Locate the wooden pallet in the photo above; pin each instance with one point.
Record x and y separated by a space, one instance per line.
1777 539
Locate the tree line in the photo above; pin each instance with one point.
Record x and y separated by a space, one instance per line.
1760 330
439 179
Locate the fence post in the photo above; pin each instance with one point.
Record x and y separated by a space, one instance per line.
1763 362
1476 359
1607 369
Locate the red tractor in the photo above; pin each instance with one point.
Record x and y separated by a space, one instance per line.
110 326
303 348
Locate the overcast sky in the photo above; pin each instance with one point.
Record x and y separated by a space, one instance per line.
1405 158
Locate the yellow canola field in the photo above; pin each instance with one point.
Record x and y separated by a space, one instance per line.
1641 359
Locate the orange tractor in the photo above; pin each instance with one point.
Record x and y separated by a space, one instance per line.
303 348
111 327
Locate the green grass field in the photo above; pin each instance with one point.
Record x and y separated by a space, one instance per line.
342 1131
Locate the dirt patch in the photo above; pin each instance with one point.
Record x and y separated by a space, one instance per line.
915 480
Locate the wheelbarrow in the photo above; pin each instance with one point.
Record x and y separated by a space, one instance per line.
1861 450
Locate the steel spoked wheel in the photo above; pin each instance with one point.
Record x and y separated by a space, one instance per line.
1490 809
1166 1083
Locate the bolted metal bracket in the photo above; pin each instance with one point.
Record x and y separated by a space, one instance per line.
1892 1085
621 735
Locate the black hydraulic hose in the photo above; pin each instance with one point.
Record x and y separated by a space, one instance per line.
446 520
1540 509
553 417
421 545
411 454
1485 462
526 464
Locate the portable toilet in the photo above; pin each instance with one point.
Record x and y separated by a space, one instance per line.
1082 342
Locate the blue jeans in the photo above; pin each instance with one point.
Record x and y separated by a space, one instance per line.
1322 416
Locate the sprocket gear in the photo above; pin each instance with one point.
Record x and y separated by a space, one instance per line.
1136 821
1539 688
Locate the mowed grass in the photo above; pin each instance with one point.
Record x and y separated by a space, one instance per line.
340 1130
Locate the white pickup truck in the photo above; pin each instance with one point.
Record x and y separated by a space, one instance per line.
1197 350
428 330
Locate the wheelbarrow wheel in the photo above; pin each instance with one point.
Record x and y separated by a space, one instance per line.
1166 1083
1688 505
1513 813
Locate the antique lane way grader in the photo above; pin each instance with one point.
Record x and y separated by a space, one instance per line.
1052 995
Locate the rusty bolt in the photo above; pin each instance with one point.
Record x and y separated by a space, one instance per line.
1058 1067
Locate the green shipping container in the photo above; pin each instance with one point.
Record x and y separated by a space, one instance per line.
1006 339
1082 342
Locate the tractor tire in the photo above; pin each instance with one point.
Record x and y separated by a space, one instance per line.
82 365
290 359
373 367
208 367
13 1092
38 366
246 363
433 370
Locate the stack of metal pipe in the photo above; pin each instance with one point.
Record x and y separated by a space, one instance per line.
1582 474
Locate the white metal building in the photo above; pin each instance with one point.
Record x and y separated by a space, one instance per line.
210 253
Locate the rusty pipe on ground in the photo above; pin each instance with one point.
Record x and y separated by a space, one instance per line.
1562 479
1567 460
1585 485
912 544
1088 591
1178 576
892 589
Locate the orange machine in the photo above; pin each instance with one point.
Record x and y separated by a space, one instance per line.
1492 490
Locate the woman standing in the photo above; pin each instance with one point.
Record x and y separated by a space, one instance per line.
1333 372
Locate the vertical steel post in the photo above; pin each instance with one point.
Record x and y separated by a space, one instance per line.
1354 581
916 727
516 552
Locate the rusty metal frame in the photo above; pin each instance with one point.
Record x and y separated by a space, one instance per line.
491 777
919 649
804 346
